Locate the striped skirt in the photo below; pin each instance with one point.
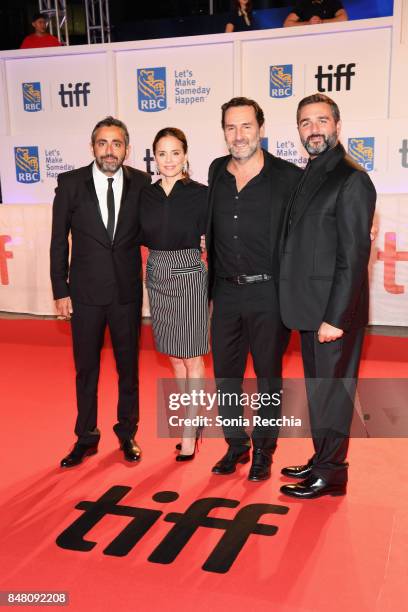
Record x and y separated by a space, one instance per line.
176 282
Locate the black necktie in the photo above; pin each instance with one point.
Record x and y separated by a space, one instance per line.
111 210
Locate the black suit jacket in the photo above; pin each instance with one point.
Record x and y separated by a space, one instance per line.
324 257
98 267
284 177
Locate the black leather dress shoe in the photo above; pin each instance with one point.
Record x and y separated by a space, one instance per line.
261 465
297 471
131 451
228 463
76 456
313 487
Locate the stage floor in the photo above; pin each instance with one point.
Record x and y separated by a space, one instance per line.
330 554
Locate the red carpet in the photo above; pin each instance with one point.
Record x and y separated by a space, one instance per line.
329 554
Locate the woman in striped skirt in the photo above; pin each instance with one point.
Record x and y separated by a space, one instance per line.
173 217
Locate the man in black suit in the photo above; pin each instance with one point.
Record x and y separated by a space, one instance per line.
324 289
248 191
101 285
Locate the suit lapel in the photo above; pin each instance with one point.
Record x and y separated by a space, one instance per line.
95 210
124 203
311 183
275 185
288 208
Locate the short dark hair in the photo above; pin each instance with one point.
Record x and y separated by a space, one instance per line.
109 122
315 99
248 6
241 101
39 16
176 133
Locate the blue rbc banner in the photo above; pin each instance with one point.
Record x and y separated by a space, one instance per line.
151 87
32 97
362 151
281 81
27 164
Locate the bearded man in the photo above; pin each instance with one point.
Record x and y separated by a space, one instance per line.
325 249
101 285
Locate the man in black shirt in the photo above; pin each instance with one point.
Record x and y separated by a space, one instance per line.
248 191
311 12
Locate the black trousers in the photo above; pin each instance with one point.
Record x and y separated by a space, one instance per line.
331 370
246 320
88 329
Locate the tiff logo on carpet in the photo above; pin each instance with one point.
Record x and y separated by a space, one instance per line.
236 530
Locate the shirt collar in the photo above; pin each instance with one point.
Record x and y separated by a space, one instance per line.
184 181
327 158
101 178
265 170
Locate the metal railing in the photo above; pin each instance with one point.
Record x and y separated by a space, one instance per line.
97 21
56 11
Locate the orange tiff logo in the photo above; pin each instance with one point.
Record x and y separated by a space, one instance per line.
4 256
390 256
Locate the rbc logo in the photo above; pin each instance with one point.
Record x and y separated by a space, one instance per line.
362 151
151 86
27 164
264 144
32 97
281 81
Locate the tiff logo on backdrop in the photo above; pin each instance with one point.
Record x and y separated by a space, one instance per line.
404 153
235 530
148 158
74 95
334 78
390 256
4 256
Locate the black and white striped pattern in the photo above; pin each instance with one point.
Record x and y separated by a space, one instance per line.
177 286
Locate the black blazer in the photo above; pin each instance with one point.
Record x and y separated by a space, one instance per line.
97 266
324 257
284 177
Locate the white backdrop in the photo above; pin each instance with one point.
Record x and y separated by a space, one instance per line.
50 100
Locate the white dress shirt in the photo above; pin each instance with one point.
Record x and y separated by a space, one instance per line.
101 187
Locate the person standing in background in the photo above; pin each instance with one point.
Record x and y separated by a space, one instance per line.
240 18
101 286
312 12
40 37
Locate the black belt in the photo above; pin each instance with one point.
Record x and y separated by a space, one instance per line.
244 279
